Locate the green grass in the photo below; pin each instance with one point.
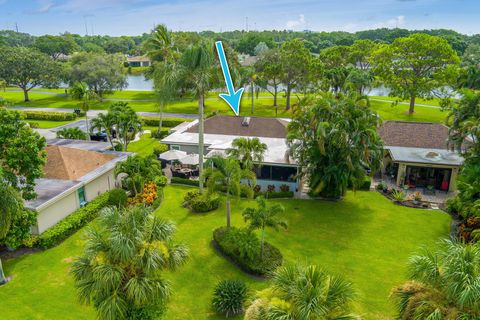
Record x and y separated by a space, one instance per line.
145 145
400 112
46 124
365 238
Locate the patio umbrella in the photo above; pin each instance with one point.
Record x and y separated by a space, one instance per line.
191 159
172 155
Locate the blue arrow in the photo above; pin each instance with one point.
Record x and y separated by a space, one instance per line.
233 97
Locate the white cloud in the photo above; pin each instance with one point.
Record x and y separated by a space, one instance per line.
296 24
396 22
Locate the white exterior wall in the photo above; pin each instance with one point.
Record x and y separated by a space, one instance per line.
99 185
265 183
58 210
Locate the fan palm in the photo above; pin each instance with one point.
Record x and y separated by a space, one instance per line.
80 91
262 217
225 174
303 293
444 284
247 151
119 271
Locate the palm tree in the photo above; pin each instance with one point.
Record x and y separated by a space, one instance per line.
80 91
104 121
225 174
444 284
247 151
303 293
11 205
126 121
119 271
262 217
137 170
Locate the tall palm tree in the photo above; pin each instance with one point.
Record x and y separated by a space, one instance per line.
225 174
80 91
262 217
126 121
119 271
303 293
247 151
12 203
444 284
104 121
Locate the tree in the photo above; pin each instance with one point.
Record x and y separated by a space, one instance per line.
27 68
414 66
295 60
105 122
338 65
304 293
359 81
119 272
225 174
443 284
137 171
72 133
22 153
334 141
260 48
102 73
247 151
55 46
269 69
80 91
360 53
262 217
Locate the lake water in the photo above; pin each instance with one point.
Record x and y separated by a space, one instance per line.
138 83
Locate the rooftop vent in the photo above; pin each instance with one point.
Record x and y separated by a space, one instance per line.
246 121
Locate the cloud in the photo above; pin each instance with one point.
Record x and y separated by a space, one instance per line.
296 24
396 22
43 7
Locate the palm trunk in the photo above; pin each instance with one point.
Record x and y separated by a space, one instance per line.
228 210
262 241
200 139
86 124
411 110
252 88
3 280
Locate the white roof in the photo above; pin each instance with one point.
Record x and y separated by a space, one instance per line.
277 149
425 156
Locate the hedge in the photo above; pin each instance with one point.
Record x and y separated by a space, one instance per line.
48 115
275 195
76 220
188 182
272 257
201 203
364 186
166 122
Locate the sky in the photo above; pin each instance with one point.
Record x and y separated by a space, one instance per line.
134 17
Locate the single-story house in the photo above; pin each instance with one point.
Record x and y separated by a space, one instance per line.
138 61
277 168
76 172
418 155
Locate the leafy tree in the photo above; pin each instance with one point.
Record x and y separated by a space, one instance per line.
414 66
269 70
27 68
260 48
102 73
471 56
126 122
123 44
469 78
338 65
55 46
359 81
262 217
137 171
80 91
443 285
119 272
306 293
22 153
72 133
247 151
360 53
295 60
225 174
335 140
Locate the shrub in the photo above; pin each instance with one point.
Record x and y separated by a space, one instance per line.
275 195
272 258
229 297
284 188
20 228
117 198
204 202
366 184
380 186
188 182
161 181
257 188
417 196
48 115
398 195
270 188
33 125
160 149
160 134
189 197
72 133
166 122
73 222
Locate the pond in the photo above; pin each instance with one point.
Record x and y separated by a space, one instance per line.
138 83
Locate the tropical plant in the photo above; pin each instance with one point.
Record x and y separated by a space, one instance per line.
443 284
264 216
304 293
247 151
398 195
105 122
137 170
119 272
225 174
81 92
229 297
72 133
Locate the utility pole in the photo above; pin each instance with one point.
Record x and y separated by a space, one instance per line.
85 22
246 24
16 27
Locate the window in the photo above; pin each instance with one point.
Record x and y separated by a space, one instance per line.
174 147
81 196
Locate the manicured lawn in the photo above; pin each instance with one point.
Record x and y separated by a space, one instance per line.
144 146
400 112
365 237
46 124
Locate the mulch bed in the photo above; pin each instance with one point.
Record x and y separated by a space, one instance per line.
7 255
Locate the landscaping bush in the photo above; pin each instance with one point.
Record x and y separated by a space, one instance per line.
33 125
73 222
398 195
160 134
161 148
198 202
161 181
272 258
117 198
366 184
166 122
275 195
270 188
188 182
48 115
229 297
19 231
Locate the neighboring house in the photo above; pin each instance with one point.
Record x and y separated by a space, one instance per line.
138 61
246 60
418 155
76 172
278 167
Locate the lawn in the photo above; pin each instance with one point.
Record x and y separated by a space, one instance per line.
47 124
365 237
144 146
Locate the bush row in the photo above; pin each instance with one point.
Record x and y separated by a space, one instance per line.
73 222
272 257
188 182
167 122
49 115
275 195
